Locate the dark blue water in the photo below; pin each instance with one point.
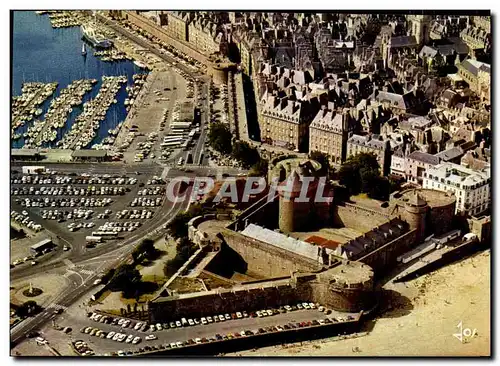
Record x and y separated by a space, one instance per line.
41 53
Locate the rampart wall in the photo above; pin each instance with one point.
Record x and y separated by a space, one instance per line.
360 218
266 260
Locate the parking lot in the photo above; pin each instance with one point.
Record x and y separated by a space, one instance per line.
76 204
108 335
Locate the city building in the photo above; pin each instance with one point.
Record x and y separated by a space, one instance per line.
379 145
416 164
478 76
329 131
471 187
285 122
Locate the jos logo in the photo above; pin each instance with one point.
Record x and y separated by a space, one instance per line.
464 334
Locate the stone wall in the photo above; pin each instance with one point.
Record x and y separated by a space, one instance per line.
266 294
225 301
385 257
357 217
265 260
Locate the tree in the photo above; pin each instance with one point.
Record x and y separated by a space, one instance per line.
185 249
125 278
361 173
247 155
144 250
108 276
177 228
380 189
28 308
260 168
321 158
219 137
349 177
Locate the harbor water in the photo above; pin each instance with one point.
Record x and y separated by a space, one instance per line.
41 53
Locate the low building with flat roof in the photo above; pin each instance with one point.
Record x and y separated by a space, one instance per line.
89 155
41 246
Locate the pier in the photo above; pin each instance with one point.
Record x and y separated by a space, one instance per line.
56 116
94 111
33 95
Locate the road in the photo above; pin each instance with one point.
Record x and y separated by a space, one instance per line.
70 294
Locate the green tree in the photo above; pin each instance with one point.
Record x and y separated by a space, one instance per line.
185 249
146 249
108 276
260 168
245 154
125 278
219 137
28 308
177 228
349 177
361 173
321 158
380 188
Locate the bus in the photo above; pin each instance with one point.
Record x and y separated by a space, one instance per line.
177 131
170 144
173 138
180 124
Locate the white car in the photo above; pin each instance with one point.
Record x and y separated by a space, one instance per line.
178 324
151 337
138 326
204 321
209 319
239 315
136 340
110 335
129 338
190 322
159 327
306 305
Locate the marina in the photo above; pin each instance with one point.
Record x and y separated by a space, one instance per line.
45 130
35 39
88 122
111 55
26 106
65 19
132 94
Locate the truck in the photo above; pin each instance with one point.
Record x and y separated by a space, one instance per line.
33 169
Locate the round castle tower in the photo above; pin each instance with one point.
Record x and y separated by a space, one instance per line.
415 215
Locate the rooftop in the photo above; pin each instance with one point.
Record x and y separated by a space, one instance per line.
282 241
87 153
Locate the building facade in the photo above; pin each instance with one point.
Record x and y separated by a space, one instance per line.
328 133
471 187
